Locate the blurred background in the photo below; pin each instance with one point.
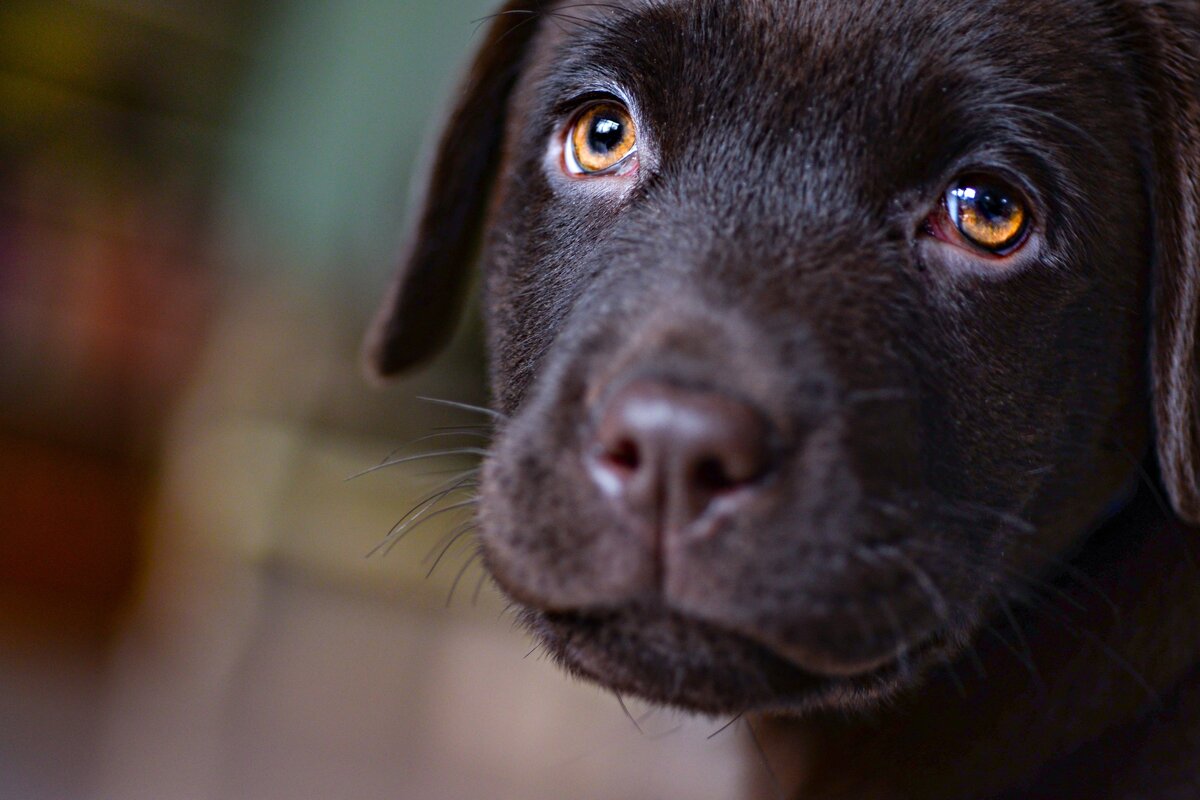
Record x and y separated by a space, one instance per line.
199 200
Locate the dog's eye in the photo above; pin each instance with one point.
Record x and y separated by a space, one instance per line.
600 140
989 213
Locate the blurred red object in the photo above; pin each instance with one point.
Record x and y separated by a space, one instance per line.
106 290
69 540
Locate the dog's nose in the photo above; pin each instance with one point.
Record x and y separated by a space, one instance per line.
668 452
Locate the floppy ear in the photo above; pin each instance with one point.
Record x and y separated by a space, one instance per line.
419 314
1172 31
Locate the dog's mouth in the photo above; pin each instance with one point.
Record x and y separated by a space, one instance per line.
776 587
663 656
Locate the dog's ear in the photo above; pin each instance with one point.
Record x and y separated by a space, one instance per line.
1171 77
419 314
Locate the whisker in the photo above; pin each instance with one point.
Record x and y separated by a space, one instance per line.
1006 610
416 514
462 571
725 727
1073 573
434 472
457 536
1104 648
393 539
439 433
1010 519
465 479
900 641
1023 578
625 708
961 509
941 608
529 15
483 576
1021 657
496 415
938 602
454 531
458 451
507 13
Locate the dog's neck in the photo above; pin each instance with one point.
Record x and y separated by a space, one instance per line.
1058 683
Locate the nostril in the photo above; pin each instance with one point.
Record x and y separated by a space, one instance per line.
624 454
711 476
667 452
614 464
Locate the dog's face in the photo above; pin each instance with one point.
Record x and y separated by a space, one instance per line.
819 328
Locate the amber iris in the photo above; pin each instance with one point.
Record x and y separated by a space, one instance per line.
602 137
988 212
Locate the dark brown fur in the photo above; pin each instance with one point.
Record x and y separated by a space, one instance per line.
971 573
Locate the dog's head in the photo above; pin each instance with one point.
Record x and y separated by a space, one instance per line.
818 326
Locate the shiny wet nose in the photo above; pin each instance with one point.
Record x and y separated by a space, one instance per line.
667 453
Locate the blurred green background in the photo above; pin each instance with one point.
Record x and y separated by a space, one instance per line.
199 200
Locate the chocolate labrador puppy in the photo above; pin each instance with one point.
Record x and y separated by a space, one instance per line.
847 359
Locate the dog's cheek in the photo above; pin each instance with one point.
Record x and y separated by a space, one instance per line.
537 266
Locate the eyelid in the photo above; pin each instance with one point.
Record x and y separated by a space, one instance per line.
571 106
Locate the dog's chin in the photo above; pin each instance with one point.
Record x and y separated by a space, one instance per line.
664 657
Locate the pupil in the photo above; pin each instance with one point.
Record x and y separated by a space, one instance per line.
606 135
994 205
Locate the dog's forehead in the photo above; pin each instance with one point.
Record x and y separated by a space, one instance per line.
834 23
835 96
878 44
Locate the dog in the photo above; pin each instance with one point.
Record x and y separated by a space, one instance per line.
846 356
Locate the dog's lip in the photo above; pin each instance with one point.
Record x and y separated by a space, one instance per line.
817 663
727 673
828 667
806 672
